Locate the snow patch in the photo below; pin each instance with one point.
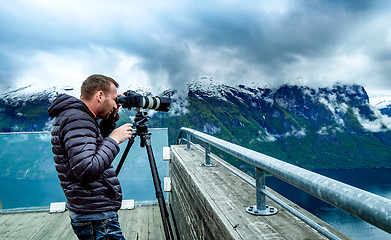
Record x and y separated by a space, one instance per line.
33 92
337 109
179 105
296 133
325 130
268 137
211 129
208 88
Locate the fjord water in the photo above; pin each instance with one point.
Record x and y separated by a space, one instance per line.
28 177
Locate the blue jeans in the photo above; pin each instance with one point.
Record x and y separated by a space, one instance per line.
99 229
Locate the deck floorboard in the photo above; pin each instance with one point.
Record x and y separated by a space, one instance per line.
143 222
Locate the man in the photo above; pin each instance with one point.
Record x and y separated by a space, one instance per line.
83 153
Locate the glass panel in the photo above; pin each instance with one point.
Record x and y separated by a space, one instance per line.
28 177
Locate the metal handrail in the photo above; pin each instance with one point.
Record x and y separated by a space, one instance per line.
287 207
369 207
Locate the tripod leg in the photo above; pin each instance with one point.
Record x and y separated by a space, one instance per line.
158 188
121 162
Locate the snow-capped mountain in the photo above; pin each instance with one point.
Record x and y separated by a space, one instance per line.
25 108
318 105
384 105
33 92
333 127
305 126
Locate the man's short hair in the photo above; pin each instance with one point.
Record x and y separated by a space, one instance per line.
95 83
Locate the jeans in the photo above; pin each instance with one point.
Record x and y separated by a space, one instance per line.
99 229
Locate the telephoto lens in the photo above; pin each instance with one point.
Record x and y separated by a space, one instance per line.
133 99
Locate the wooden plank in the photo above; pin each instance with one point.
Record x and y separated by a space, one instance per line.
141 223
130 223
7 222
145 224
156 227
65 230
125 222
10 224
58 227
23 224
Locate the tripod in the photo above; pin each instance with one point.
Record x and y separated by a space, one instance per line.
145 141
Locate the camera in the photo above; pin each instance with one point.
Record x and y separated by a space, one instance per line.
133 99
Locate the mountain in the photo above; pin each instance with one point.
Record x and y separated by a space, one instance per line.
25 109
333 127
385 106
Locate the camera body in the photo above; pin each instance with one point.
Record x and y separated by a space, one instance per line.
133 99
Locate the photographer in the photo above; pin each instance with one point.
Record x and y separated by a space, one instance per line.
83 153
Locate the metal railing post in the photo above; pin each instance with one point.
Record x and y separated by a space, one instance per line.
188 141
261 209
207 156
260 185
207 152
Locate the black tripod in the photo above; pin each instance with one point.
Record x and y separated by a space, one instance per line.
145 141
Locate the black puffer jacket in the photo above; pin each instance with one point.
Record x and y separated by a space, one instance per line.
83 157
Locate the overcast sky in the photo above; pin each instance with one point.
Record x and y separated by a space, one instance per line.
165 44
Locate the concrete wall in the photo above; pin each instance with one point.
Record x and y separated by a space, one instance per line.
194 215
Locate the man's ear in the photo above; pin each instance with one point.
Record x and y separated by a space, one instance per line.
100 96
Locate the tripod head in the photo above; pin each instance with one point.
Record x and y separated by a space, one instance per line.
140 124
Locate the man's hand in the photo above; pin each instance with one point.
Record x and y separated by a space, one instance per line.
122 133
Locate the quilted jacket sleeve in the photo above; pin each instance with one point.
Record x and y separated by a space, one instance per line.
89 154
106 126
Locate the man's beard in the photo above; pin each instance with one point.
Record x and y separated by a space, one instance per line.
108 111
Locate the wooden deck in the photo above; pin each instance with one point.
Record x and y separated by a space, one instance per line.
210 203
144 222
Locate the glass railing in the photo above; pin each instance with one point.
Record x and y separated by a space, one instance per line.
28 177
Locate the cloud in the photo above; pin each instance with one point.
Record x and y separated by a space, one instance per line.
165 44
62 68
382 123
